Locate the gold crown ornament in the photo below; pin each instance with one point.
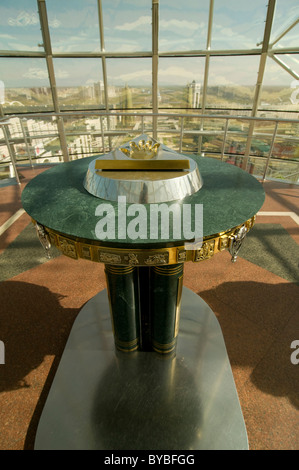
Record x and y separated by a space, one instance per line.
143 150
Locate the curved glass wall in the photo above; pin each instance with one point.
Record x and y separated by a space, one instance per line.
196 58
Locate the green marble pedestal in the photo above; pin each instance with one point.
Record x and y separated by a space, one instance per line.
103 399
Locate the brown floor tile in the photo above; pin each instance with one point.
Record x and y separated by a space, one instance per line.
40 308
281 197
257 312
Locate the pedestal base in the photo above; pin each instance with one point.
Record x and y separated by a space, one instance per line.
104 399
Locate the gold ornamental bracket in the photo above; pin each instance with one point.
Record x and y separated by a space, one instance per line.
94 251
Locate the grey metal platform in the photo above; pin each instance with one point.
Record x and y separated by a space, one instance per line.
104 399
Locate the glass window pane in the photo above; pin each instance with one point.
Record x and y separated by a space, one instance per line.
238 24
39 139
286 12
79 83
183 25
84 135
280 91
232 82
40 127
5 164
74 25
127 25
20 26
291 61
80 146
180 82
291 39
26 85
129 83
284 163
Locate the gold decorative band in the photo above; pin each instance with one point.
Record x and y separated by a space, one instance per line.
127 346
164 348
168 270
135 257
109 268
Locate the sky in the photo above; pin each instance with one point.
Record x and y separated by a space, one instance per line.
74 27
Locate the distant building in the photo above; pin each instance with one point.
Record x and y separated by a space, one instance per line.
126 103
94 91
99 91
193 94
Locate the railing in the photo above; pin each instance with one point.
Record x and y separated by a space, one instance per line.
266 147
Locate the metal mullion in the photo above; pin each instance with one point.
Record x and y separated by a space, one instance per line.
281 35
270 151
48 50
103 134
146 114
2 114
258 86
99 54
284 66
224 139
170 115
264 54
22 54
214 52
181 135
141 54
155 61
207 66
49 59
26 141
285 50
11 152
104 67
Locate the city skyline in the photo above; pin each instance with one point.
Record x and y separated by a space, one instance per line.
127 28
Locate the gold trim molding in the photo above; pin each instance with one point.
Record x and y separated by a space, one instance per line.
77 248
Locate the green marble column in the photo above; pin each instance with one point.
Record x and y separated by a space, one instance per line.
144 279
122 287
145 306
166 290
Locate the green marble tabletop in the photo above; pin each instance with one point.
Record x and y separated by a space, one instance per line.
57 200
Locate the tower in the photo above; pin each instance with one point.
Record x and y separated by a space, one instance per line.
195 94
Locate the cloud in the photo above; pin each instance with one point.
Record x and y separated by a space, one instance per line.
117 44
179 43
61 74
226 37
55 23
140 76
22 46
141 22
7 36
24 19
171 25
174 24
177 75
36 73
